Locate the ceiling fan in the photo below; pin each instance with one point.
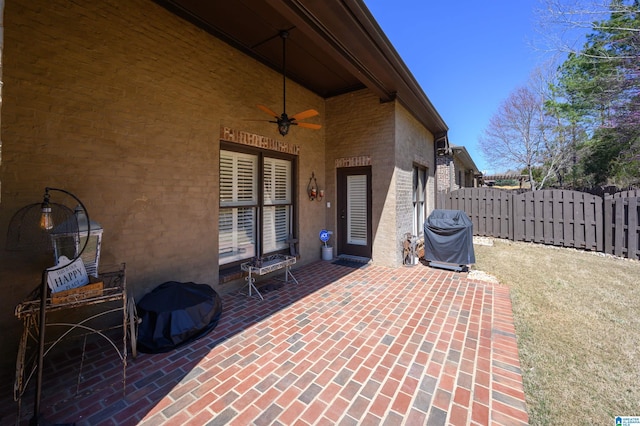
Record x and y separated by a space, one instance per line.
283 120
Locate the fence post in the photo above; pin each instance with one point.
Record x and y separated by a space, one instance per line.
633 227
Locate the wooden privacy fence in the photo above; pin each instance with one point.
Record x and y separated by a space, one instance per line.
622 224
556 217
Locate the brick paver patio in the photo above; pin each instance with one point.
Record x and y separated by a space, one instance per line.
345 346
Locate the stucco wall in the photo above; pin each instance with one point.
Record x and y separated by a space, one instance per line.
121 103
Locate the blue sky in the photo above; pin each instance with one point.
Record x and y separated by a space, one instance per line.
467 56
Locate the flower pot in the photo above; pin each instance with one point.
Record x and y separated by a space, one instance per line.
327 253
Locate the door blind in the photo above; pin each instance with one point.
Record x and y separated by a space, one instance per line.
357 209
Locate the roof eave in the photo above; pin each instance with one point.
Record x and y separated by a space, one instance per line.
354 38
462 153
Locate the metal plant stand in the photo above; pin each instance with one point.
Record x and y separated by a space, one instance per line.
114 290
266 265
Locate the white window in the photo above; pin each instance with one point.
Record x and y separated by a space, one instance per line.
419 199
250 225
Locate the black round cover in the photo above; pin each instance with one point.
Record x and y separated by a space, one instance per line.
176 313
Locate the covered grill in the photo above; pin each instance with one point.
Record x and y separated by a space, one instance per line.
448 239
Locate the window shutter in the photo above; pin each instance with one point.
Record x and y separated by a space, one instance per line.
276 228
238 197
226 179
277 200
236 234
277 181
238 178
225 232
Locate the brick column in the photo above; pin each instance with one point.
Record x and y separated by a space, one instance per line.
444 172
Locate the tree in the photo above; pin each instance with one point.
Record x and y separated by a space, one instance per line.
511 138
523 134
599 86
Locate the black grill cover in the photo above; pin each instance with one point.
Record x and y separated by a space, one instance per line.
448 237
174 314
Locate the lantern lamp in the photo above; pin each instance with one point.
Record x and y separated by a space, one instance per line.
70 236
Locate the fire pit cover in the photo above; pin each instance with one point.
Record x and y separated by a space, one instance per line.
448 237
174 314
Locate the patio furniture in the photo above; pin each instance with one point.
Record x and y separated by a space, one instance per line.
78 322
266 265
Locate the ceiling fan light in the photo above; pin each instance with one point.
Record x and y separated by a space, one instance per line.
283 128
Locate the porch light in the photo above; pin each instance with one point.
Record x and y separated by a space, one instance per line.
46 221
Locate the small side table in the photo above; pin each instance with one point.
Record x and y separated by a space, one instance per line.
267 265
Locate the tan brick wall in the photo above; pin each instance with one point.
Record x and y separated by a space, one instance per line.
121 103
415 148
358 125
445 173
452 175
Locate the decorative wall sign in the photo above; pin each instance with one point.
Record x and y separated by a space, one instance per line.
73 275
245 138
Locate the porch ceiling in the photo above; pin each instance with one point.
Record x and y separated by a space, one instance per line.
334 47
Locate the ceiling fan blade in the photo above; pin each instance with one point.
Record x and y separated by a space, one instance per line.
268 111
309 125
305 114
259 120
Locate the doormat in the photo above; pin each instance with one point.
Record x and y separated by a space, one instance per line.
349 263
